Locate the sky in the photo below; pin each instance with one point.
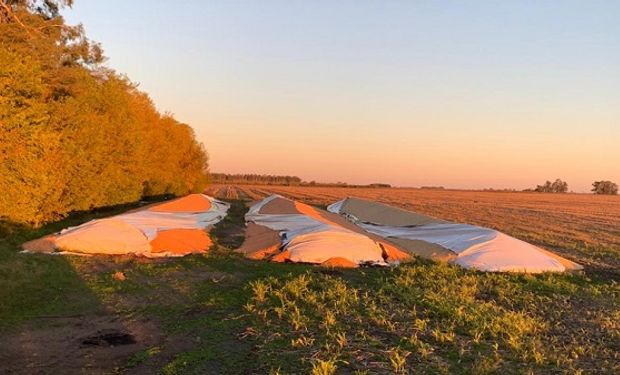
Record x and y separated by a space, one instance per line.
472 94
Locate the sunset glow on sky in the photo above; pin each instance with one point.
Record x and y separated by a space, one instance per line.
458 94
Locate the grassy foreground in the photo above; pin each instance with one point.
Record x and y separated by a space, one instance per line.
220 313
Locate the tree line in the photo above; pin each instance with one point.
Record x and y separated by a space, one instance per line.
74 134
254 179
603 187
557 186
265 179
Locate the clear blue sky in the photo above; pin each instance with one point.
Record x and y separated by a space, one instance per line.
461 94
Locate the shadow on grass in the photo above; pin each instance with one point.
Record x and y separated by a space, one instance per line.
184 314
49 317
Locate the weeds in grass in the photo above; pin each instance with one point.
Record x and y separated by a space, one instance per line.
436 311
398 359
321 367
260 290
302 341
341 339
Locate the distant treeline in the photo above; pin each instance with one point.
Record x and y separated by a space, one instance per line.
604 187
261 179
75 135
558 186
254 179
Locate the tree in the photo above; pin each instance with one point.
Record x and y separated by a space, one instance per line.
45 8
75 135
605 187
546 188
558 186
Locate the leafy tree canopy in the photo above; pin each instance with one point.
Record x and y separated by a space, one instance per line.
605 188
74 134
558 186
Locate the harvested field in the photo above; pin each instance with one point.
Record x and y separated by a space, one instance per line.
584 228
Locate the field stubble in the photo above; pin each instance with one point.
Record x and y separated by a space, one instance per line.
582 227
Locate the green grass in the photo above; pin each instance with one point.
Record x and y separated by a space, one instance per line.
428 318
233 315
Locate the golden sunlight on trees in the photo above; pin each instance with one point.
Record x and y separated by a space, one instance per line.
75 135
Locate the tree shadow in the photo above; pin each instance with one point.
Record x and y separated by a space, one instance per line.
69 313
50 318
